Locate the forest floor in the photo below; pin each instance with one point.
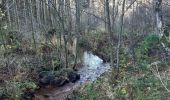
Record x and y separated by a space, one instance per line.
93 68
143 72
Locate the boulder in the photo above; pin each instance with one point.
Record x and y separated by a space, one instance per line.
57 79
73 77
58 82
29 95
44 74
45 79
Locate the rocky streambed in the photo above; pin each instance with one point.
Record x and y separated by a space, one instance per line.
93 68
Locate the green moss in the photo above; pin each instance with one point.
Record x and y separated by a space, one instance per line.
150 41
26 85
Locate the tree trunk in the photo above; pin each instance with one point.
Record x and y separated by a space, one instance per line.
16 15
44 12
158 10
68 16
50 13
8 13
38 12
113 15
25 14
77 29
105 15
32 24
119 37
109 30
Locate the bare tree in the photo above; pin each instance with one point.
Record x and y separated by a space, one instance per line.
32 24
44 9
25 13
17 20
109 30
77 27
38 12
119 37
158 10
8 12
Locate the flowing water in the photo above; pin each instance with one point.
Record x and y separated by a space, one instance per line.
93 67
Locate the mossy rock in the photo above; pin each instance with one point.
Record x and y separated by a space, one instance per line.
58 78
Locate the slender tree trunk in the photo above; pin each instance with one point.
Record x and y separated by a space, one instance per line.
60 35
8 13
158 10
77 28
25 14
109 30
68 17
113 15
32 24
38 12
16 14
77 17
44 12
65 47
133 30
105 15
119 37
50 13
88 16
2 36
63 20
62 26
54 15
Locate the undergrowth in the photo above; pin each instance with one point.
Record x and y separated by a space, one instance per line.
139 80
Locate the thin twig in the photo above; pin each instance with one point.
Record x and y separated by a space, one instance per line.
161 79
158 74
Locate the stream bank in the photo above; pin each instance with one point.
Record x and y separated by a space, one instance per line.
93 68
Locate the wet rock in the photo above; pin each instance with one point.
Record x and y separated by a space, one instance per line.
46 80
29 95
69 74
60 82
44 73
65 76
73 77
57 79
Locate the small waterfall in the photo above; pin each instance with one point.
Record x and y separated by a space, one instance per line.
93 67
91 61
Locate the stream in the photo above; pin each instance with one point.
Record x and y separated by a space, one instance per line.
93 68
